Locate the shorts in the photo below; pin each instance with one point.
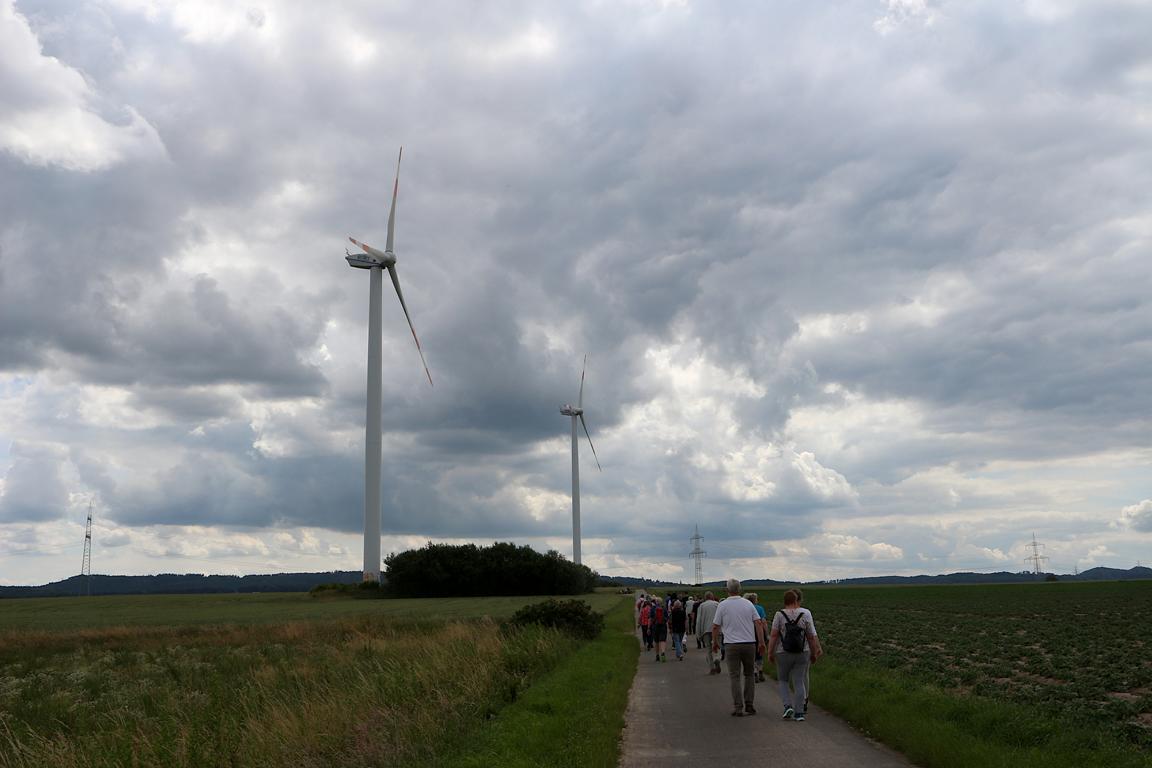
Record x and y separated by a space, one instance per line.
661 632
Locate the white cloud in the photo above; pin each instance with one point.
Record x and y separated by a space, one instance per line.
49 114
904 12
1138 517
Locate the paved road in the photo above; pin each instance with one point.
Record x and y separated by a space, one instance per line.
672 703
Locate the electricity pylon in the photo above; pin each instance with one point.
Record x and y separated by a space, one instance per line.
697 554
1036 558
86 565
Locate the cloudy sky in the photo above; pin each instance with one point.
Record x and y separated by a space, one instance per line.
865 286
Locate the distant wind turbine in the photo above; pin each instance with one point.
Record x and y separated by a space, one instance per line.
375 261
578 413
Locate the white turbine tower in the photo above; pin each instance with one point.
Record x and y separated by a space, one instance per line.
375 261
578 413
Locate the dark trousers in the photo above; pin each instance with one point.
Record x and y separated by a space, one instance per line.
741 658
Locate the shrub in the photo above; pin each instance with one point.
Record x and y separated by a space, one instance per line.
363 589
575 617
466 570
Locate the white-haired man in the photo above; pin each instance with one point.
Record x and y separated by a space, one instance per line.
743 632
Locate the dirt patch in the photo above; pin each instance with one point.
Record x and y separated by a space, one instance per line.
1124 696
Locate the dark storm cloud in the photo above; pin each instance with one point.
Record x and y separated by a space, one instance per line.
218 478
702 182
33 489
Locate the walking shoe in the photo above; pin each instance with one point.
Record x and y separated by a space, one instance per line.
663 657
799 717
716 666
737 713
788 713
749 709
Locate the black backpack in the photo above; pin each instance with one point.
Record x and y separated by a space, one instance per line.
792 638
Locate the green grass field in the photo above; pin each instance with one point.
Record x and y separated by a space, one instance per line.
261 680
56 614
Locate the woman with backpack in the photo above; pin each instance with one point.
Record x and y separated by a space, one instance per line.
793 646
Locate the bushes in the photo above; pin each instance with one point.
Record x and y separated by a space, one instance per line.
574 617
369 589
446 570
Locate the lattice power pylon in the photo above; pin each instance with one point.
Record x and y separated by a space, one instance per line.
1036 558
698 554
86 566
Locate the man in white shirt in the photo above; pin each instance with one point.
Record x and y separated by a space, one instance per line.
743 631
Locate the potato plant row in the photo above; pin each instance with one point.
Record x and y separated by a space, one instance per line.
1073 650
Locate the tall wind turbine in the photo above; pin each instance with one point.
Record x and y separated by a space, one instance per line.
578 413
375 261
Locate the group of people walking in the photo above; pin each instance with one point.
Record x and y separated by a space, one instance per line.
737 632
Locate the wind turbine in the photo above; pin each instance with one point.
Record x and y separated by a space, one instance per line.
578 413
375 261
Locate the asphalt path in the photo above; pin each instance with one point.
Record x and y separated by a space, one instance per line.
678 715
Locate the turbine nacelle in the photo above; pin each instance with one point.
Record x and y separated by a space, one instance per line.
374 257
568 410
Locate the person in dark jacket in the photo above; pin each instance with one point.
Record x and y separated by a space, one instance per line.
677 625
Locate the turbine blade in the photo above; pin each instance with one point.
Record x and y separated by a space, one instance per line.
585 425
367 248
404 306
392 213
580 401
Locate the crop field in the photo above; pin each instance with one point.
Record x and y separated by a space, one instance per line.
1073 652
258 680
81 613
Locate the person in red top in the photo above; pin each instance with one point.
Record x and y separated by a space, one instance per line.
659 629
646 623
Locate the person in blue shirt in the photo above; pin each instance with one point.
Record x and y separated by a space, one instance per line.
755 600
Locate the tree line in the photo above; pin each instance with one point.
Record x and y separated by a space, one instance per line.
467 570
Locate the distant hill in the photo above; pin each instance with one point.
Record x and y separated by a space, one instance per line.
196 583
1002 577
964 577
1112 574
632 581
188 583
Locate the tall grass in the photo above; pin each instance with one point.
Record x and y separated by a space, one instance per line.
571 717
361 691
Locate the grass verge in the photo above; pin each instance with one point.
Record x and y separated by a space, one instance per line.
935 728
572 716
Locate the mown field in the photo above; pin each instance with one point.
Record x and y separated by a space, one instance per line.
262 680
1050 671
